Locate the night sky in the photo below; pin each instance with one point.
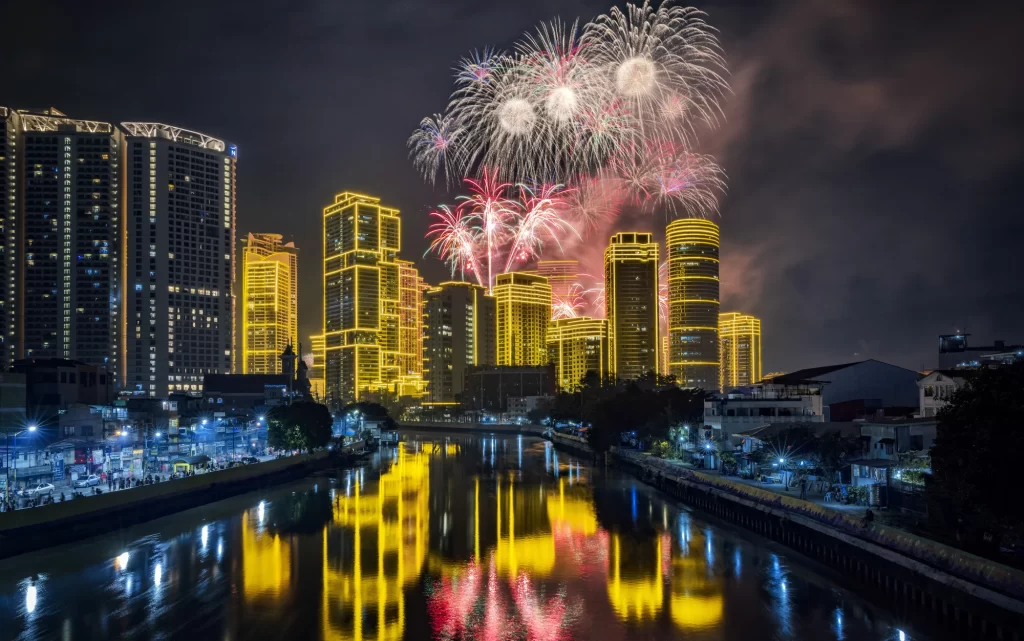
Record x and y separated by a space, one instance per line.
873 148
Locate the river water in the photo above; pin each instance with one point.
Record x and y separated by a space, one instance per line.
446 537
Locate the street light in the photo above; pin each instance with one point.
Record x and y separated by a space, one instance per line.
30 428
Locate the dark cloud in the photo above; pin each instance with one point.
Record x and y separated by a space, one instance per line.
873 148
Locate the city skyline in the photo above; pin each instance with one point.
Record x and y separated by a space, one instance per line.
784 250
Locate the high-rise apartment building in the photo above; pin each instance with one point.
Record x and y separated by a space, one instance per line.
577 346
692 247
10 239
631 303
67 235
561 274
409 381
316 369
523 303
362 292
459 322
270 302
739 336
180 267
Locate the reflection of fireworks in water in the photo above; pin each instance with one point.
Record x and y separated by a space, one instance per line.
498 226
452 602
620 99
550 621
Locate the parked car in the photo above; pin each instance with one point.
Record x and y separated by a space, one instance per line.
87 481
43 489
249 460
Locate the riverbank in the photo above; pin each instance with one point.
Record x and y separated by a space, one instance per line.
985 598
33 529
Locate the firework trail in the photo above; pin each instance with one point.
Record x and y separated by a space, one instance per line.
571 304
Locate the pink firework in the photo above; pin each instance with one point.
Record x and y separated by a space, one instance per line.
454 240
539 221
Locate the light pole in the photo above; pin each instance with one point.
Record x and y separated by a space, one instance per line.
30 428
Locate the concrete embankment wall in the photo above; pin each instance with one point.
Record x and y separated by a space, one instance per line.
36 528
919 578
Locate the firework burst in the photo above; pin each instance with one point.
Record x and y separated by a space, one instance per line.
570 104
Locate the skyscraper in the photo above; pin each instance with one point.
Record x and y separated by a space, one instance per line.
361 296
692 248
523 312
409 381
180 305
739 336
316 370
631 303
459 332
10 250
69 232
561 274
270 302
577 346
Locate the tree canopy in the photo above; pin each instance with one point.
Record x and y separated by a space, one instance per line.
975 485
302 425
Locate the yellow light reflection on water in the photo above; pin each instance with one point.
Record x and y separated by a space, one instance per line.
266 561
394 524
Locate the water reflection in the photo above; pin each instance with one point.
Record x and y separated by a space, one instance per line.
450 538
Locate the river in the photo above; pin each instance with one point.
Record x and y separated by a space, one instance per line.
445 537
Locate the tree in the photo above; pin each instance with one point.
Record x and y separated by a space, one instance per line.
302 425
975 483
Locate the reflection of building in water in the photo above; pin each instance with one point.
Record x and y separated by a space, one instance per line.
696 599
572 508
375 549
635 577
266 561
524 536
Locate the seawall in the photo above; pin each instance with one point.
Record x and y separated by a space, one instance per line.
37 528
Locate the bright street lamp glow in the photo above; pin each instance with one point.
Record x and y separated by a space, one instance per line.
204 421
782 460
707 446
31 428
157 435
262 418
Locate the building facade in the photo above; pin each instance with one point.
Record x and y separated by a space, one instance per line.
180 303
409 381
862 389
66 235
10 239
936 389
562 275
693 297
361 297
270 302
739 337
492 388
459 323
523 311
631 304
316 368
956 353
577 346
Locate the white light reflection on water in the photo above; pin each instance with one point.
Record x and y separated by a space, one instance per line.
31 598
839 625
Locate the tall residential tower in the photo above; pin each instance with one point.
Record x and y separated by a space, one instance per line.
10 239
523 313
69 234
739 336
361 297
458 328
180 265
631 303
692 248
270 303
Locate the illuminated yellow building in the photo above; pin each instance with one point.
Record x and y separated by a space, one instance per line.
631 303
693 289
739 336
561 274
577 346
367 600
409 358
458 327
316 370
270 285
362 295
523 303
